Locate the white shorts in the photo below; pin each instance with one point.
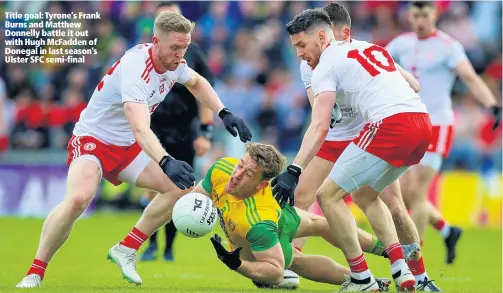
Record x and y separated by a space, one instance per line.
440 146
432 160
356 168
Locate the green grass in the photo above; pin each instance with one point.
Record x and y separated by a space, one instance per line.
81 265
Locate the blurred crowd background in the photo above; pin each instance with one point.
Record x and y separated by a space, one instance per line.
257 72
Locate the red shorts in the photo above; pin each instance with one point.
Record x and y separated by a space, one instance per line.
332 150
400 140
113 159
441 139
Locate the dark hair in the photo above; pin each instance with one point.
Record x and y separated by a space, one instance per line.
167 3
338 14
307 19
422 4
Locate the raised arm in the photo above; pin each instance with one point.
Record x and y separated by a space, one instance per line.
205 94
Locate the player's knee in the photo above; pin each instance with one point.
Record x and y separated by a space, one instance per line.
80 200
397 210
322 197
304 198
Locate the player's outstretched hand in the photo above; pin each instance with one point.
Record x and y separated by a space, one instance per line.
496 111
179 172
283 186
230 259
230 121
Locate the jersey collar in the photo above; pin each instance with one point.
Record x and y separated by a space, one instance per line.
432 35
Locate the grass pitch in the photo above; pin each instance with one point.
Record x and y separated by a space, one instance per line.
81 265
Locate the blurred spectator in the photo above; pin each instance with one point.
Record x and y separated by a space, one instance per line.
4 137
31 129
465 151
216 25
16 80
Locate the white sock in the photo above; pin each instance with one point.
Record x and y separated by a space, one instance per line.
361 275
126 249
446 230
421 277
397 265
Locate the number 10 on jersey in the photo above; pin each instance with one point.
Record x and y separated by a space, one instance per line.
370 63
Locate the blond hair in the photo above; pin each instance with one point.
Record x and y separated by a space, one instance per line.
267 157
168 21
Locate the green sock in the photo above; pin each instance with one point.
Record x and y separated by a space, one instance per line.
376 247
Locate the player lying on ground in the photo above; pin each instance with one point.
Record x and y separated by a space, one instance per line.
259 232
338 138
435 59
396 136
113 139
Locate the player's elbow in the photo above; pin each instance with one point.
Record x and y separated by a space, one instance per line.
415 86
321 128
139 131
275 276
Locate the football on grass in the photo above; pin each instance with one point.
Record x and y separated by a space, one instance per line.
194 215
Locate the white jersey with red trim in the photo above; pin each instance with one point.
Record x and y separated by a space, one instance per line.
132 78
367 75
432 61
351 123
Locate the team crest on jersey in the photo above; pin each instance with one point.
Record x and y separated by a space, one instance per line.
89 146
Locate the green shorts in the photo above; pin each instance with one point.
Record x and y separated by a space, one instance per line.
287 226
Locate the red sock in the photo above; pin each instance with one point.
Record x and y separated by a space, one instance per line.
394 252
358 264
440 224
416 266
134 239
37 267
298 248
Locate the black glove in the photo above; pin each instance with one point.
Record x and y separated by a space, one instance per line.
230 259
496 111
336 115
283 186
178 171
230 121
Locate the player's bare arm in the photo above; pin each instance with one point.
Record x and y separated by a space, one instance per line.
310 96
267 267
200 189
475 83
414 84
318 129
479 89
179 172
138 116
204 92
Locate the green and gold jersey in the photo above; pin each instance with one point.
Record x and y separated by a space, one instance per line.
249 223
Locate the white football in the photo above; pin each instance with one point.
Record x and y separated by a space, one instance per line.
194 215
